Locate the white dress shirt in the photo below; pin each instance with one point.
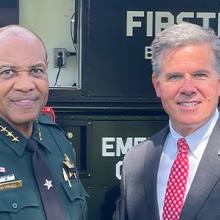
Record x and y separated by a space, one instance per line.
197 142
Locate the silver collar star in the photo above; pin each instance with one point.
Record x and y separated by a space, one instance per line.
48 184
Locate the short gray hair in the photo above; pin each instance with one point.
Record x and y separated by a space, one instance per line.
181 35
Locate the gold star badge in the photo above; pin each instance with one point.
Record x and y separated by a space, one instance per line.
15 139
3 128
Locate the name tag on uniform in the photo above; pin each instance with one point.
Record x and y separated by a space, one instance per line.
11 185
7 178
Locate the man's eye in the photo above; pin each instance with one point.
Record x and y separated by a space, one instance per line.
200 75
174 77
37 72
8 73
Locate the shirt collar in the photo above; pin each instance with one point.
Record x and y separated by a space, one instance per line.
15 140
198 136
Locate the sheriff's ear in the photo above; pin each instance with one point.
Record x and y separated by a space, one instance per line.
156 82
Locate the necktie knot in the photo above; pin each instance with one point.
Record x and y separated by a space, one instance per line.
182 145
32 146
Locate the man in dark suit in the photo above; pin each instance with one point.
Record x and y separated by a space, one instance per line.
175 174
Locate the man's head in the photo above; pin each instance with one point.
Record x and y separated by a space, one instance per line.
186 74
23 76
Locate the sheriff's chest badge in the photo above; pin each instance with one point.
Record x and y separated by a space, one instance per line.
69 170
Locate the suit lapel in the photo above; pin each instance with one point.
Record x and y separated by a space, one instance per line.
206 177
152 160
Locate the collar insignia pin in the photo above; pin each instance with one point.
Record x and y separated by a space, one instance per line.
9 134
68 162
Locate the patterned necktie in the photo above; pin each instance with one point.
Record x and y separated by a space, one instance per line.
46 184
176 185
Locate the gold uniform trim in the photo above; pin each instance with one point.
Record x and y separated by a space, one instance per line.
11 185
9 134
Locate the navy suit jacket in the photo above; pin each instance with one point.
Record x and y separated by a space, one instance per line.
139 182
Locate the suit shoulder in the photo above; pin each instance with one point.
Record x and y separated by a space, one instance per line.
139 150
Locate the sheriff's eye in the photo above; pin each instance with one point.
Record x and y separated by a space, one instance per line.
7 73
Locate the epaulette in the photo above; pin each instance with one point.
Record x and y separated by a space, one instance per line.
45 120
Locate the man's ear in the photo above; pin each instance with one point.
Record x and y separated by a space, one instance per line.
156 82
219 87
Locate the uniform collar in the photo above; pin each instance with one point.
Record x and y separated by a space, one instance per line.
40 135
15 140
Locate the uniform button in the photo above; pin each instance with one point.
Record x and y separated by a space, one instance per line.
14 205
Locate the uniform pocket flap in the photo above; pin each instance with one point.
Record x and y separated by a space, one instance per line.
76 191
13 201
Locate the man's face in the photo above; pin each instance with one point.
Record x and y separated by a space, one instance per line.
23 79
189 86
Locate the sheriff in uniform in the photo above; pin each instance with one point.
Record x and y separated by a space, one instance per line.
38 177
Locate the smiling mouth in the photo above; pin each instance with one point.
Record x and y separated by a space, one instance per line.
191 104
24 102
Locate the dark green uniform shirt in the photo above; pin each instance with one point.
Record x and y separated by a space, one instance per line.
19 195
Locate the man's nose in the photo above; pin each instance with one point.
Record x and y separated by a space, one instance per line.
24 82
188 87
